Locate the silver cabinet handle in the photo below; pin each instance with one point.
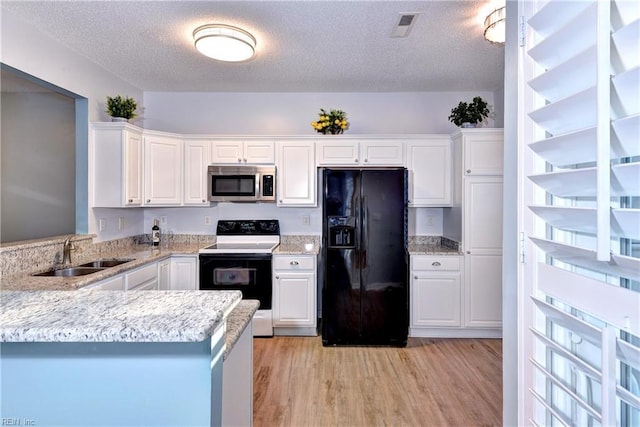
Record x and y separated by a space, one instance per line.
130 200
366 160
294 263
468 170
468 252
204 201
436 264
280 200
239 160
245 160
148 200
278 277
415 277
356 160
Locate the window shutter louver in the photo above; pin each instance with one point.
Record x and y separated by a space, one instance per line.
581 185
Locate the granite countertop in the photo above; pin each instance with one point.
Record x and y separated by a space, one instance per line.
113 316
139 255
238 321
296 245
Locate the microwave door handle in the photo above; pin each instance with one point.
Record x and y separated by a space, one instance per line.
257 189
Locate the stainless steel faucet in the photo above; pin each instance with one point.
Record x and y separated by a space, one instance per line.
66 251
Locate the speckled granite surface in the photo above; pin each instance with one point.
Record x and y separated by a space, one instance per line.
237 322
433 245
139 254
113 316
295 245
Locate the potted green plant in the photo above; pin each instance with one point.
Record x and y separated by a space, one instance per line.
121 107
469 115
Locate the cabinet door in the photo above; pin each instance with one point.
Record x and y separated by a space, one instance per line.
430 179
483 153
164 278
482 232
227 152
294 300
483 291
183 273
196 158
142 277
258 152
132 168
163 171
296 173
112 284
382 153
332 151
435 300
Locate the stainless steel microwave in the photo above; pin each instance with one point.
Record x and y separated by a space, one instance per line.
242 183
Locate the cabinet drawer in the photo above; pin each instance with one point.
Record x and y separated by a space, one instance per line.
142 275
435 263
294 263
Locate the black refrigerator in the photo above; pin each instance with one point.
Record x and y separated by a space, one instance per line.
365 295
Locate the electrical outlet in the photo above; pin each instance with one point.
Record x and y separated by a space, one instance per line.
306 220
121 223
163 220
102 224
429 220
207 220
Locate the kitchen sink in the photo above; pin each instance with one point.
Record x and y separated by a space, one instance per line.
70 272
105 263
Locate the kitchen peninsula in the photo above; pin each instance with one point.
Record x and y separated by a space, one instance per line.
116 357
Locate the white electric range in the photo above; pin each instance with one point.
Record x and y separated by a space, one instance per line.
241 260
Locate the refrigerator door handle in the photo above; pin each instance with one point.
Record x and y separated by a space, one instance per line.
365 232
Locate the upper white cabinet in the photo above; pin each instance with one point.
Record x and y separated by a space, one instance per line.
116 160
196 160
295 173
482 151
251 151
429 164
163 171
373 152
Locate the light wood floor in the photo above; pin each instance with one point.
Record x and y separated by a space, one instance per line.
431 382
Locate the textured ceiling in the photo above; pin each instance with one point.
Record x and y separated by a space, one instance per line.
303 46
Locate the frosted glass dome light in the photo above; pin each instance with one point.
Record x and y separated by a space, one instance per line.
224 42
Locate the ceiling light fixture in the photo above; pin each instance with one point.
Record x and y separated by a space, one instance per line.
224 42
494 26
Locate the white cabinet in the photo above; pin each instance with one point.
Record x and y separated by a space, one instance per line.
163 171
294 294
475 220
196 160
251 151
184 272
116 165
483 151
164 278
374 152
436 295
143 278
296 174
115 283
429 164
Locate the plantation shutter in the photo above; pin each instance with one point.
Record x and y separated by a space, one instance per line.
580 279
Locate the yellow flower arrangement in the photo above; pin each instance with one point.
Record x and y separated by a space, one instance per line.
333 122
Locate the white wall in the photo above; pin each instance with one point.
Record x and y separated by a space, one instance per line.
292 113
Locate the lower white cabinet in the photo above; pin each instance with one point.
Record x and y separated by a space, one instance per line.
164 277
455 296
115 283
294 295
483 285
184 273
143 278
435 292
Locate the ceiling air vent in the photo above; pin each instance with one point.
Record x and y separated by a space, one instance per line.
404 24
